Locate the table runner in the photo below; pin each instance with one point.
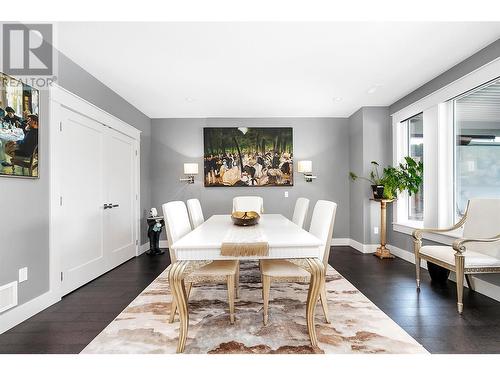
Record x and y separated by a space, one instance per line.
253 243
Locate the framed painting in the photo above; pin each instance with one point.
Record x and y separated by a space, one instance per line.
19 108
248 156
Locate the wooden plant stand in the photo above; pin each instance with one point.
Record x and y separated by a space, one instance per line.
382 251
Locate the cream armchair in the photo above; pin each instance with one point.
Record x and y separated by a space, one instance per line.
477 252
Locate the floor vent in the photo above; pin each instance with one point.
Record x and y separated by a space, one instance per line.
8 296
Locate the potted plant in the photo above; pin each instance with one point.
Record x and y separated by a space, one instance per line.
406 176
374 179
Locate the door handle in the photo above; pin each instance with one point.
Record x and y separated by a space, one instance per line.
106 205
114 205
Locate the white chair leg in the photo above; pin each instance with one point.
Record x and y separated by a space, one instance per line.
266 288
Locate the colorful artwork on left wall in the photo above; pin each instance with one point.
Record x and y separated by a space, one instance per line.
19 109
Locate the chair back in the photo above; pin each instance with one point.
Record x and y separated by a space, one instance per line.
176 222
248 203
483 221
322 221
195 212
300 211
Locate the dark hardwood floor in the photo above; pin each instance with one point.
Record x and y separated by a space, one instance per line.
429 316
69 325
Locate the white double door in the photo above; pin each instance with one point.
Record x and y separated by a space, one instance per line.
98 199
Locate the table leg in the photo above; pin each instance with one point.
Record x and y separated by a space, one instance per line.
317 270
176 275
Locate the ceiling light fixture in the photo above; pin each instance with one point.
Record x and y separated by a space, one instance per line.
372 89
337 99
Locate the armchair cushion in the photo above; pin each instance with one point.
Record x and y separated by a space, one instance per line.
473 259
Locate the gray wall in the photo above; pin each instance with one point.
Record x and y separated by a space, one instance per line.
480 58
322 140
369 129
358 189
24 234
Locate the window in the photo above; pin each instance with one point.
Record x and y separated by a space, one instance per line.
477 146
415 126
462 150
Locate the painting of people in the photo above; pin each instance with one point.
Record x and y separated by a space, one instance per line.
19 106
246 156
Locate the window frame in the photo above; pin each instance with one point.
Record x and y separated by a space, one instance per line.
453 105
439 153
408 153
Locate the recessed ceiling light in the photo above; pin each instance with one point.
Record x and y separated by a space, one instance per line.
337 99
372 89
188 99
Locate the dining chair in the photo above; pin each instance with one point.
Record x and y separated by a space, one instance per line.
195 212
219 271
300 211
323 219
477 251
248 203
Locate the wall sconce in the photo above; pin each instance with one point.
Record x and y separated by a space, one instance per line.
190 170
305 167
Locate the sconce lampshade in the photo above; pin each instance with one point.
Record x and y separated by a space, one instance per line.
191 168
305 166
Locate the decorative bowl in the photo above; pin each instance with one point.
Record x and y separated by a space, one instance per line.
245 218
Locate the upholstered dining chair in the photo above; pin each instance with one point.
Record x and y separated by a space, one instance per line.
323 219
195 212
300 211
478 251
248 203
219 271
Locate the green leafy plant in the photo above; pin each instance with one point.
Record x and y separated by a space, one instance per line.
373 177
407 176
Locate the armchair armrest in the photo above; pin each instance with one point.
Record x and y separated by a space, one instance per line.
459 245
417 233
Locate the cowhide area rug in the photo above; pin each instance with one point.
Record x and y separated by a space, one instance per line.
357 325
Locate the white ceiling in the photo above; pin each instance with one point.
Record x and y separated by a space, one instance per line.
268 69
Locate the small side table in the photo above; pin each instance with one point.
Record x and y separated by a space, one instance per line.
154 235
383 252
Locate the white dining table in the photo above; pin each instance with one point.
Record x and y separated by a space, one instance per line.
286 241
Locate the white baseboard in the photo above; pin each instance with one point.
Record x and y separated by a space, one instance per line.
19 314
164 244
364 248
480 286
143 248
341 242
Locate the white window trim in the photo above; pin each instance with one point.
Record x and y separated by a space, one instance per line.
438 152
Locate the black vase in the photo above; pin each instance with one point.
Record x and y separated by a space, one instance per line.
378 191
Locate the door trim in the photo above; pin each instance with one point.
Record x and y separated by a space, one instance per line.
62 98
